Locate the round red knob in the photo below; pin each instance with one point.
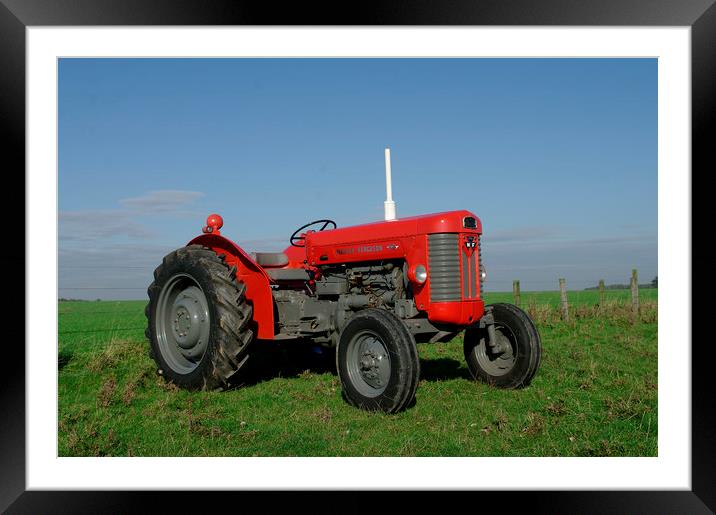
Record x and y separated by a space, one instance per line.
214 222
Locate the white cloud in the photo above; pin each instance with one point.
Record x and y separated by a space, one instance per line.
98 224
108 270
160 201
523 234
538 264
106 224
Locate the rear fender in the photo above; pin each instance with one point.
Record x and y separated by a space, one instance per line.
258 289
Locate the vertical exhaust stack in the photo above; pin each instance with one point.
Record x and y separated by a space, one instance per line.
388 205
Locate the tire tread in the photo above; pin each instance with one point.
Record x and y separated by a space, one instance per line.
231 335
472 337
408 373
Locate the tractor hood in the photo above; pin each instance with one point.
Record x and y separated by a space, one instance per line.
403 238
449 221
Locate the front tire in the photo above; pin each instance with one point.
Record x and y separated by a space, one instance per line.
515 361
198 319
377 362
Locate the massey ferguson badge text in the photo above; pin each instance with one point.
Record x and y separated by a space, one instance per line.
360 250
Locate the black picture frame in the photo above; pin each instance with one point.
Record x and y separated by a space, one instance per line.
17 15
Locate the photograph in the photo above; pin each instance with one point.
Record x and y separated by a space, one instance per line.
408 250
357 257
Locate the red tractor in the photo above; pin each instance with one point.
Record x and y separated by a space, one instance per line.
371 291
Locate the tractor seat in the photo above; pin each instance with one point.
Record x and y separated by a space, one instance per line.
274 261
270 259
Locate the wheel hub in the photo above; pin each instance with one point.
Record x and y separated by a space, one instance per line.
183 323
499 359
373 364
503 347
189 318
370 367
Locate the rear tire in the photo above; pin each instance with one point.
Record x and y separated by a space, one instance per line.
517 363
198 319
377 362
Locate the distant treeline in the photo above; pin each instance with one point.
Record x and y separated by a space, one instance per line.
62 299
621 287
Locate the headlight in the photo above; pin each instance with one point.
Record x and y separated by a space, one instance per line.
483 273
421 274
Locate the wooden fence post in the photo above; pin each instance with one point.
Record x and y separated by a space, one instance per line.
601 293
516 292
634 292
563 296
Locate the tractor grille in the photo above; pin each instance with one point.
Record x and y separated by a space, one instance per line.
444 262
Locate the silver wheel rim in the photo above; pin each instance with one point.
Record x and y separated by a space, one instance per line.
182 323
501 362
368 363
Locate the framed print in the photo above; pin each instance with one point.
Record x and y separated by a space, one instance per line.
66 63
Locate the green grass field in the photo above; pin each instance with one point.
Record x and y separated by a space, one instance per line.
576 298
594 395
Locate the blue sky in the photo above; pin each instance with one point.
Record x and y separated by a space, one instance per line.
558 157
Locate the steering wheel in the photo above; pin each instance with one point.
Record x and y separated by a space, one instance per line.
295 239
